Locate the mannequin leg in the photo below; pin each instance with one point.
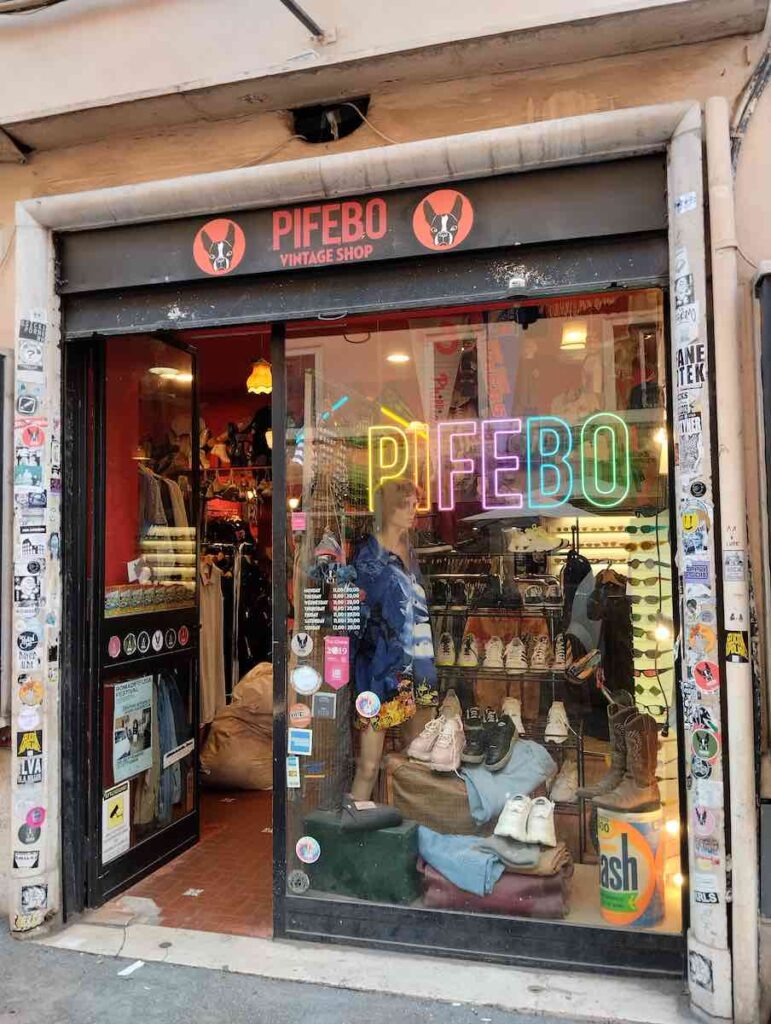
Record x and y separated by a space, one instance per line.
368 764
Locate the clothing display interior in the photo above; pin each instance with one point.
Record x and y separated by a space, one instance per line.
482 635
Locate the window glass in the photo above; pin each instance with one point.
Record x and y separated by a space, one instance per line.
481 612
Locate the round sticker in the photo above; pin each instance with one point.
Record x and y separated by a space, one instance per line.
307 849
34 567
700 769
32 437
707 676
27 640
31 692
300 716
702 638
113 647
28 834
704 822
219 246
157 640
368 704
298 882
443 219
306 680
129 644
171 638
698 489
183 635
143 642
29 718
302 644
36 817
705 744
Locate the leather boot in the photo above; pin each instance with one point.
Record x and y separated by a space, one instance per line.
618 713
638 790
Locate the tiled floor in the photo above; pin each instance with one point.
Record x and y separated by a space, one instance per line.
230 870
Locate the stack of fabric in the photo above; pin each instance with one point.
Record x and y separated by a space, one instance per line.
494 875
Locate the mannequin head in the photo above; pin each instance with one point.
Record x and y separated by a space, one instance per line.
395 505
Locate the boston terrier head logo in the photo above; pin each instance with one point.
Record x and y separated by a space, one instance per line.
219 246
443 219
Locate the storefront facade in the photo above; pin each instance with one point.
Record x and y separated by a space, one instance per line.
584 406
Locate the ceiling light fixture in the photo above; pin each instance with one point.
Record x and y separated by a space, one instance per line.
260 379
397 357
166 372
573 335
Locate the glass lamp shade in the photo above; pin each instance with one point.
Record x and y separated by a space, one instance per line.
260 380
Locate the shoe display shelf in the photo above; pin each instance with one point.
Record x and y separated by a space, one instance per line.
548 675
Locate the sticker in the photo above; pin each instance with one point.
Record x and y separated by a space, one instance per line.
707 676
116 825
29 754
368 704
684 291
307 849
30 354
132 750
704 821
36 817
300 715
183 636
697 572
688 313
299 522
143 642
28 834
700 717
709 793
29 718
336 661
26 922
293 772
172 756
324 705
33 897
219 246
300 741
443 219
315 770
700 769
129 644
302 644
711 898
113 647
735 566
306 680
29 397
700 971
702 639
705 744
26 860
737 647
297 882
171 639
706 850
157 640
684 203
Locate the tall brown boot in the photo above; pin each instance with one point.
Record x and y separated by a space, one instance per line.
618 713
638 790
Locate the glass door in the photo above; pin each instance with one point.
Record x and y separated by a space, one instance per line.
144 547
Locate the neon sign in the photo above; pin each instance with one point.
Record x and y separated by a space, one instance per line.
520 464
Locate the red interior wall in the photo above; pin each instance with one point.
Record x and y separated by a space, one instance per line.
125 361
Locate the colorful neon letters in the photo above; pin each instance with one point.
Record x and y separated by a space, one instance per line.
532 464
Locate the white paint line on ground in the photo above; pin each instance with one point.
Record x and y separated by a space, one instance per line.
131 968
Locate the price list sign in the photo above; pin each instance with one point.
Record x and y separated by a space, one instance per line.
346 608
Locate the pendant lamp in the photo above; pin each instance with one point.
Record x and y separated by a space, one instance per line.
260 380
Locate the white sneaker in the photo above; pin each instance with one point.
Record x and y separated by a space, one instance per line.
493 653
513 708
533 597
515 539
513 818
515 658
553 598
446 655
543 655
560 662
540 822
563 789
469 652
557 724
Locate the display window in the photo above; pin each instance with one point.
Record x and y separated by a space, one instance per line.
481 612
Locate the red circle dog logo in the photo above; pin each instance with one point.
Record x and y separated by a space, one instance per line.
219 247
443 219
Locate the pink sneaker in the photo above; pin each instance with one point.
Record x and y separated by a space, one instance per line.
421 747
445 754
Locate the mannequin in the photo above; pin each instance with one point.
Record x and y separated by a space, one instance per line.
395 657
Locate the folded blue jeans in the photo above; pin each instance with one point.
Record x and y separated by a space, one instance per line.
456 858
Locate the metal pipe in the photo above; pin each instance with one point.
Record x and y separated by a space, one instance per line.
305 19
736 597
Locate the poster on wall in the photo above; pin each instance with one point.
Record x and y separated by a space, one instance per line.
132 746
116 829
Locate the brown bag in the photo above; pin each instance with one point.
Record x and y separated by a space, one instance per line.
238 753
437 800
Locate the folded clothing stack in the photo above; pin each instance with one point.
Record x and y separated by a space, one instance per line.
514 895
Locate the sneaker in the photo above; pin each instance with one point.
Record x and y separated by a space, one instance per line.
553 597
557 724
451 707
515 657
563 789
540 822
515 539
458 594
583 670
533 597
501 744
474 731
540 540
560 662
542 656
512 821
493 653
469 652
446 654
513 708
421 747
491 594
446 751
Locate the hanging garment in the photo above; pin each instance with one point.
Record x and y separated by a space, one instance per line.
212 664
170 787
179 512
151 512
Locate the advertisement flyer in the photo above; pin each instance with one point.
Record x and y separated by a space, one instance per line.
132 746
116 829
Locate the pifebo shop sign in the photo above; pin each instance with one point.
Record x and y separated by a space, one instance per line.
485 213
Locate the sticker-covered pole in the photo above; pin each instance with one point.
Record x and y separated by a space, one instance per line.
733 538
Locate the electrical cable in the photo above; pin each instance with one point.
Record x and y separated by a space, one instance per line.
365 119
7 252
272 152
27 6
